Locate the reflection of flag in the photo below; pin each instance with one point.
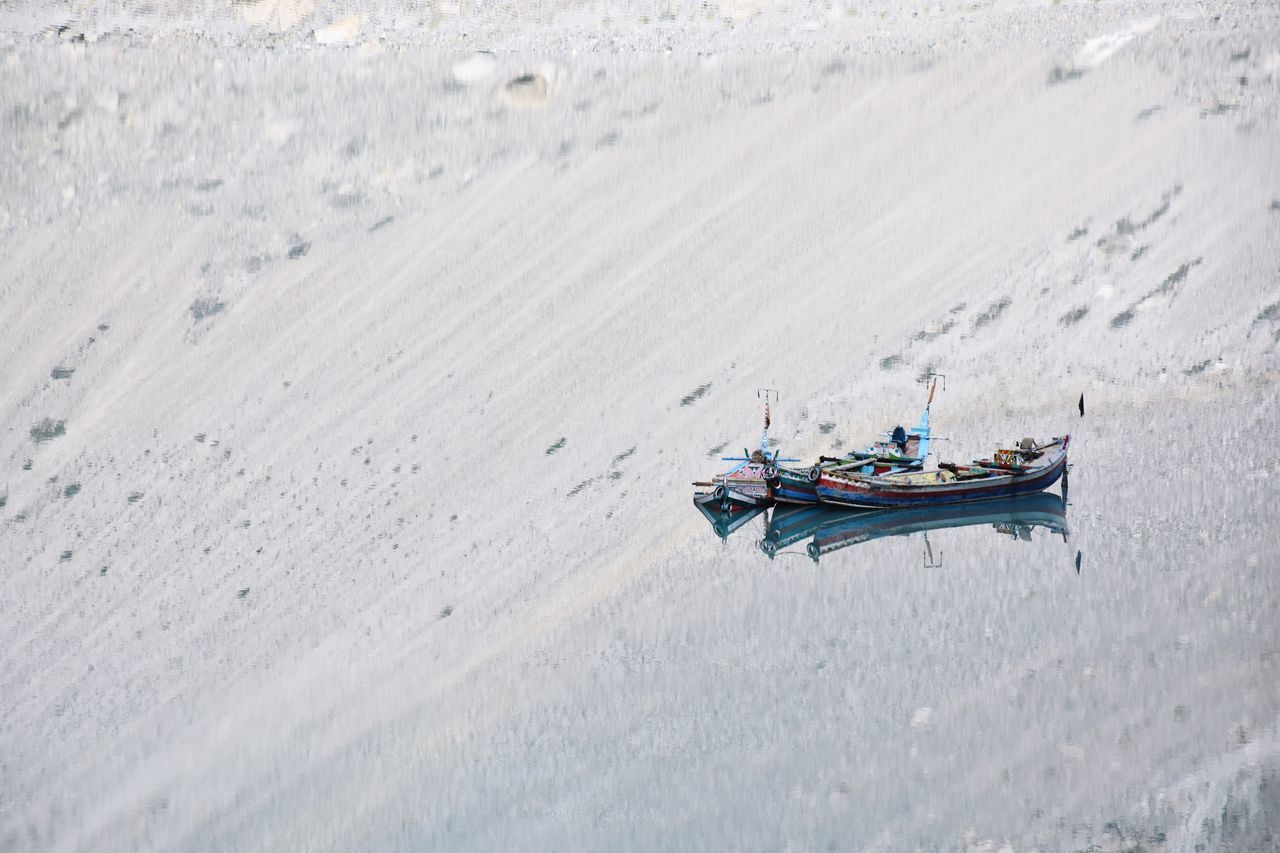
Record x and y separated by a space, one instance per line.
766 414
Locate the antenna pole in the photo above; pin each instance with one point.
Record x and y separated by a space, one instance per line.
924 380
764 436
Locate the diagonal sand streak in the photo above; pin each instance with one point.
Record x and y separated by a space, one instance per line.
173 772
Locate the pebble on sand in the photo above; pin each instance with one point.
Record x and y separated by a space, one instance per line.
276 15
526 92
475 67
340 32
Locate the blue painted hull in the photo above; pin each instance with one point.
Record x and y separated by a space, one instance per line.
887 492
793 490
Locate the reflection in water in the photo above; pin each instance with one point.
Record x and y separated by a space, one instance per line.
725 522
827 529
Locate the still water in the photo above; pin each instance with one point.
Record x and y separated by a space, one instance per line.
1099 673
1069 669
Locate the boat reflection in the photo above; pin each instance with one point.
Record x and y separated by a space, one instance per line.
830 530
726 522
825 529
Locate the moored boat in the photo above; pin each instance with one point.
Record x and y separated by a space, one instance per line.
1029 468
900 450
744 484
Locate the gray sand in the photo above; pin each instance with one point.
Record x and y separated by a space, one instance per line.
353 380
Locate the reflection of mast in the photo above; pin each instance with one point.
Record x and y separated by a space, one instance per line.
929 562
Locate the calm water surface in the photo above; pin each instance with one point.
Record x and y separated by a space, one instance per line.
961 686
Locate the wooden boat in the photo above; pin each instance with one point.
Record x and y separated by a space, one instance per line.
833 529
744 484
1030 468
900 450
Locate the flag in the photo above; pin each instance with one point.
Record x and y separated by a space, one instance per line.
766 414
1082 405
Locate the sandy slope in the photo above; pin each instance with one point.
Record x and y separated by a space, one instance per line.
426 373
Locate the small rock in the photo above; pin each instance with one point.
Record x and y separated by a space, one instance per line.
48 429
206 307
340 32
475 67
527 92
276 15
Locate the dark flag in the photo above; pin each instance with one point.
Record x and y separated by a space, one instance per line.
1077 562
1082 405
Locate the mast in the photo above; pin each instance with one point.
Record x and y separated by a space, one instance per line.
764 436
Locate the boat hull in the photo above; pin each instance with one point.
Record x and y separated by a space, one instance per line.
794 488
743 488
882 492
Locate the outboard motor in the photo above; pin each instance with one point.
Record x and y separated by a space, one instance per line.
900 438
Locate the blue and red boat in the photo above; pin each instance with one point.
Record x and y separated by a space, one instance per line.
743 485
1029 468
900 450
